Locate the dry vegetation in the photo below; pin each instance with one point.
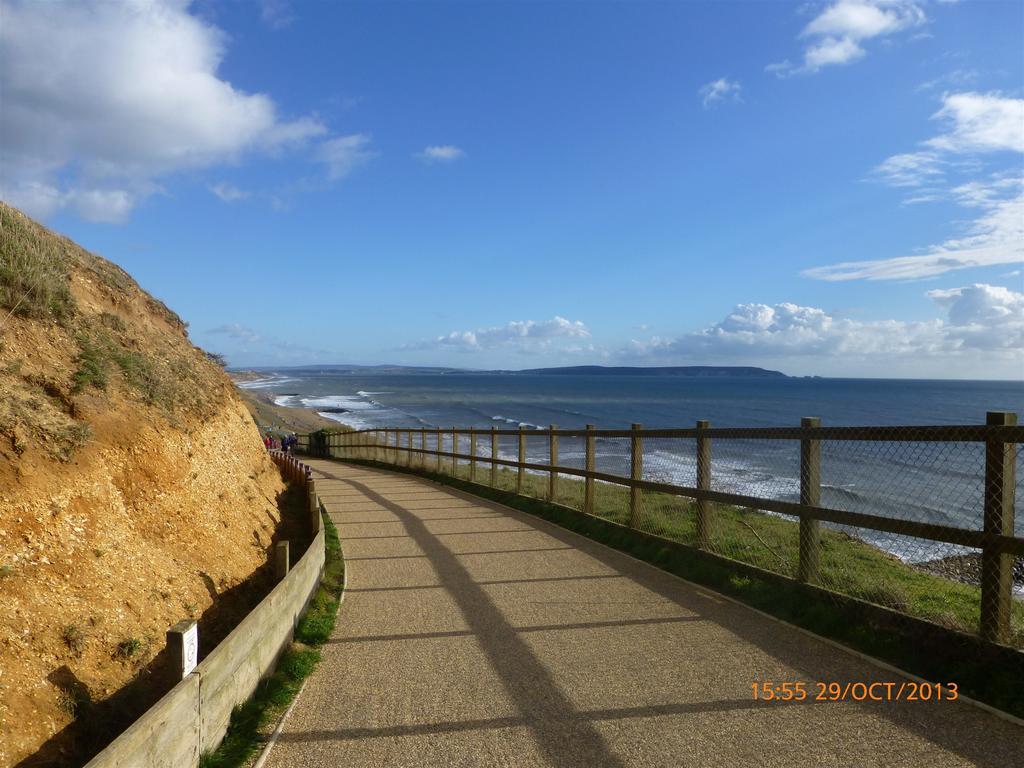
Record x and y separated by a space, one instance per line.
134 489
92 308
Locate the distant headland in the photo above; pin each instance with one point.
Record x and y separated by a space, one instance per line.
691 371
688 371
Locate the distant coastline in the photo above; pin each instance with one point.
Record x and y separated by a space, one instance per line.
693 371
689 371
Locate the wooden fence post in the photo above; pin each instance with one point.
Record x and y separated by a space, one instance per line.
472 454
280 560
996 565
422 463
809 566
438 467
636 472
705 508
552 462
522 459
183 648
408 446
314 508
589 464
455 451
494 456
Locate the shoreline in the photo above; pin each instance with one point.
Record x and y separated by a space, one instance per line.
966 569
353 411
281 418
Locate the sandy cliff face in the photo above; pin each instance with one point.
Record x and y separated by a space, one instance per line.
133 484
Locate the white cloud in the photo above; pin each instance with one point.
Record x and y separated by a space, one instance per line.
276 14
995 237
521 335
241 343
977 125
441 153
835 36
105 205
955 78
984 322
910 169
982 122
980 304
344 154
229 193
101 99
719 90
830 51
236 331
864 19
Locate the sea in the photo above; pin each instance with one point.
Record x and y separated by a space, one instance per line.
929 482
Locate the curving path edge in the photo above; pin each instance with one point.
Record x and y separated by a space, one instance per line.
476 635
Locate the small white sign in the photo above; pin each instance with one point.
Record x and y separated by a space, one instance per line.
190 649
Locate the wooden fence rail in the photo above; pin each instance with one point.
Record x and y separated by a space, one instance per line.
1000 436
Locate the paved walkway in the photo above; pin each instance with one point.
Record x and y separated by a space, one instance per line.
475 635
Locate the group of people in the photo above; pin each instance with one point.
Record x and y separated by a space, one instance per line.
286 442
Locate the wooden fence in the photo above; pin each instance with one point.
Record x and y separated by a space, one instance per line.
1000 437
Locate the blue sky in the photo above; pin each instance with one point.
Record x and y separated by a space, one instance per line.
828 188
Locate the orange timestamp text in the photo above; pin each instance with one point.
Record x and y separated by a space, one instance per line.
908 690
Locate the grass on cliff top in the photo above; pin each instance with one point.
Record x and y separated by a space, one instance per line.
34 270
250 721
37 401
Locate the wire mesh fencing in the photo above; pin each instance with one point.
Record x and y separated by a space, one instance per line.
925 521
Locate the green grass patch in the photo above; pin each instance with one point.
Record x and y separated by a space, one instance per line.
34 270
93 366
250 720
102 353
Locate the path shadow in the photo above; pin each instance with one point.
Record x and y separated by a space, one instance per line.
564 736
954 727
501 723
